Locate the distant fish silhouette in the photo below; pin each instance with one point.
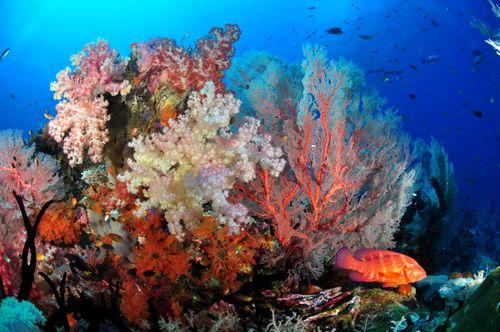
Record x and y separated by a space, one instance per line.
366 37
335 31
431 59
4 53
477 113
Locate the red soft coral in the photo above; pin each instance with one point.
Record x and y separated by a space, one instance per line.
161 61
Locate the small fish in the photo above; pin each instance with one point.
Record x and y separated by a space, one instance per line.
148 273
30 132
431 59
412 96
133 131
335 31
478 57
4 53
115 237
414 67
311 8
37 162
186 34
434 23
477 113
74 201
47 115
40 256
366 37
389 268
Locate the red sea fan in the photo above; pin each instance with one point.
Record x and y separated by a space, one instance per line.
161 61
348 180
34 177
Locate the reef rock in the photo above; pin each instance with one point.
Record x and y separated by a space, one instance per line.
480 310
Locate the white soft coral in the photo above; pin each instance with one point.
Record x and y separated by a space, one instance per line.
196 160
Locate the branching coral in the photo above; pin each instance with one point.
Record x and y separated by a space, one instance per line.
162 61
33 176
196 160
349 180
81 114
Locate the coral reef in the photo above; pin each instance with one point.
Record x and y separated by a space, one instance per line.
159 199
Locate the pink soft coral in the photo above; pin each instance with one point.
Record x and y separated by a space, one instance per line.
162 61
81 114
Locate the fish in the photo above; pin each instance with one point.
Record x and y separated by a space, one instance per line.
366 37
477 113
335 31
47 116
186 34
149 273
412 96
431 59
4 54
434 23
478 57
414 67
389 268
311 8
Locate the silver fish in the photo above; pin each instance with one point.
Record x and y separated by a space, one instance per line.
4 53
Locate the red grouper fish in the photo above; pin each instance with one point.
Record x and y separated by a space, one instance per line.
389 268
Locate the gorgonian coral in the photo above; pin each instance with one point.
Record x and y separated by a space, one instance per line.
82 114
161 61
32 176
348 181
196 160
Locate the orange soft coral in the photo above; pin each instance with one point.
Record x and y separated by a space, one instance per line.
134 305
61 225
225 256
